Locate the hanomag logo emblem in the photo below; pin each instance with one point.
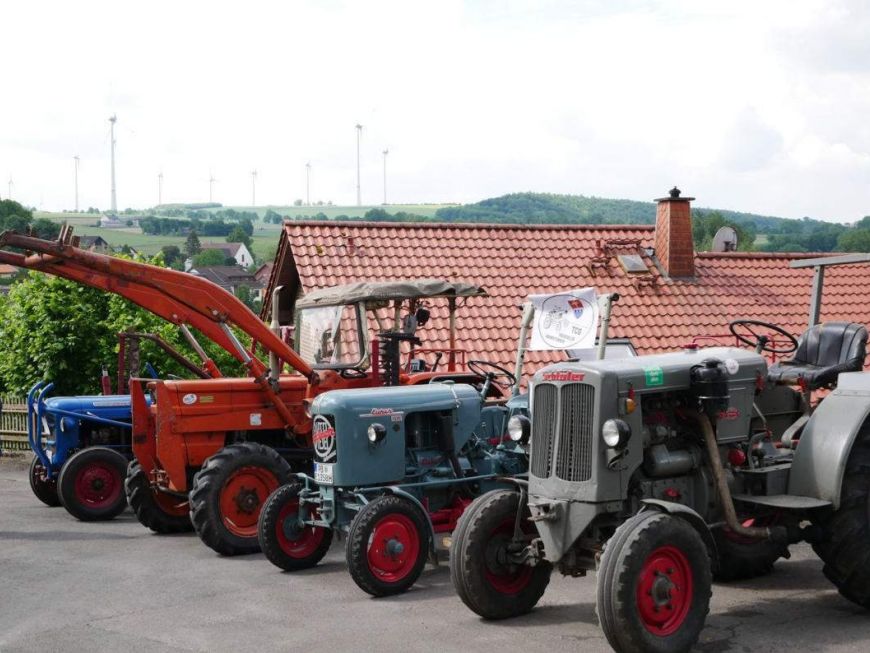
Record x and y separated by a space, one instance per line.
323 436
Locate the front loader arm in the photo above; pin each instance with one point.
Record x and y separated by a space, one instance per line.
171 287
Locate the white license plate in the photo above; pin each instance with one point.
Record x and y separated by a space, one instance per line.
323 472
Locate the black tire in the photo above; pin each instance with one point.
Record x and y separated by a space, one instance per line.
843 546
91 484
742 559
227 522
489 586
393 571
44 488
285 543
667 555
160 512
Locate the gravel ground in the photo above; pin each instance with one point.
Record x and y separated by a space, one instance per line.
71 586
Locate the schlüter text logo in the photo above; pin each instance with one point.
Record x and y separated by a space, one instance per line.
563 375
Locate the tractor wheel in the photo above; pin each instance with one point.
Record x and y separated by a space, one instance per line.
846 531
485 581
43 487
285 542
387 545
160 512
741 558
91 484
228 493
654 585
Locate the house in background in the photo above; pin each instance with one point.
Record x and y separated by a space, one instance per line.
229 277
94 244
263 273
9 271
237 251
670 295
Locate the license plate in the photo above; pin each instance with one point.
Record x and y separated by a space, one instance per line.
323 473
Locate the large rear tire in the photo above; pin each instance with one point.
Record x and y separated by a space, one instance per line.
229 492
43 487
286 543
160 512
654 585
843 546
387 545
91 484
485 580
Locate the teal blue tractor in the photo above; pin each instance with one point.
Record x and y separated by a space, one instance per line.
394 469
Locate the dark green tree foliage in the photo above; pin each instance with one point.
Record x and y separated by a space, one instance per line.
209 257
14 217
705 224
172 256
192 246
238 235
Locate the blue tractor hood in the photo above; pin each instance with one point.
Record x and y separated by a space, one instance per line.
109 406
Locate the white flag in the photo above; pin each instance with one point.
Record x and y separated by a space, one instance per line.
566 320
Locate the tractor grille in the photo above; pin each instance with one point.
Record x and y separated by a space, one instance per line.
573 415
543 429
574 458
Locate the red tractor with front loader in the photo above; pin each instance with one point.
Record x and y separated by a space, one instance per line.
208 452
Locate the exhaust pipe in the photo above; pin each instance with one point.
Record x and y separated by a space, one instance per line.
275 325
754 532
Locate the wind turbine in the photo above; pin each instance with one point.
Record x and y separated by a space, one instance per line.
253 188
211 181
359 128
112 121
76 159
10 185
308 183
160 188
386 152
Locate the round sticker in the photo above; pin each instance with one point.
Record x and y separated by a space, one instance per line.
189 399
324 438
732 366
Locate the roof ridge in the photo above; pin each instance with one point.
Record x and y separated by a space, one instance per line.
463 225
756 255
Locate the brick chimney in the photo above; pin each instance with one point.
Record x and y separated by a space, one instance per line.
673 242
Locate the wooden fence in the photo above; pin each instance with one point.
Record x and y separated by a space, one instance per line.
13 424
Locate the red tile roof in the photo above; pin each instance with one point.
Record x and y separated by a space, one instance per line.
513 261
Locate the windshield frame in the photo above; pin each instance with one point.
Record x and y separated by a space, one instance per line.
362 338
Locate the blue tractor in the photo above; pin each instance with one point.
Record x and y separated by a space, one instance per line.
394 469
82 444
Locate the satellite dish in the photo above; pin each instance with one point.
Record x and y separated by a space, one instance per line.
725 240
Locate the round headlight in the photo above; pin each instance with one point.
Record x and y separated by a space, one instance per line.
519 428
376 433
615 433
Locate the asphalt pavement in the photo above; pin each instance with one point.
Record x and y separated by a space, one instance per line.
114 586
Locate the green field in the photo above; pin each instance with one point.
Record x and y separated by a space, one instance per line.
265 235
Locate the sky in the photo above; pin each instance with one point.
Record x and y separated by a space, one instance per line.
750 106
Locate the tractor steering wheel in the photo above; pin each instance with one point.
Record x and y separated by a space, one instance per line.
761 341
479 368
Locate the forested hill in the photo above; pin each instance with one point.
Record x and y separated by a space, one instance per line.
546 208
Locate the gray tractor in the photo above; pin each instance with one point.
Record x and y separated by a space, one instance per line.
664 472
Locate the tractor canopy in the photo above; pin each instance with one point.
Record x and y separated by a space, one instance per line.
378 291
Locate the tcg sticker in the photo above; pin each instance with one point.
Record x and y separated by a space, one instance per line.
189 399
732 366
654 376
256 419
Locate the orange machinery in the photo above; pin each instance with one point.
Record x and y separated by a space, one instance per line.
208 452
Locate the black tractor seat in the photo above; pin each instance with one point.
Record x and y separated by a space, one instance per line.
823 352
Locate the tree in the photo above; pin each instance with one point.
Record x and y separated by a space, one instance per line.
297 203
171 255
238 235
192 246
209 257
854 240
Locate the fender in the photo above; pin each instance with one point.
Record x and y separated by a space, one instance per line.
824 448
693 518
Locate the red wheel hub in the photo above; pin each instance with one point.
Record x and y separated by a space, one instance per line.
394 548
664 591
241 497
506 577
98 485
295 539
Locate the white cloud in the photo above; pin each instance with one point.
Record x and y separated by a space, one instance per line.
745 105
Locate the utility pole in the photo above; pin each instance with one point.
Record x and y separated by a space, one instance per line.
160 188
308 184
112 122
76 159
358 191
386 152
211 181
253 188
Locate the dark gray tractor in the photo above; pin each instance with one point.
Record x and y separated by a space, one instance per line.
663 472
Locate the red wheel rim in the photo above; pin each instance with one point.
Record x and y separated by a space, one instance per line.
393 548
242 496
295 539
506 578
98 485
664 592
